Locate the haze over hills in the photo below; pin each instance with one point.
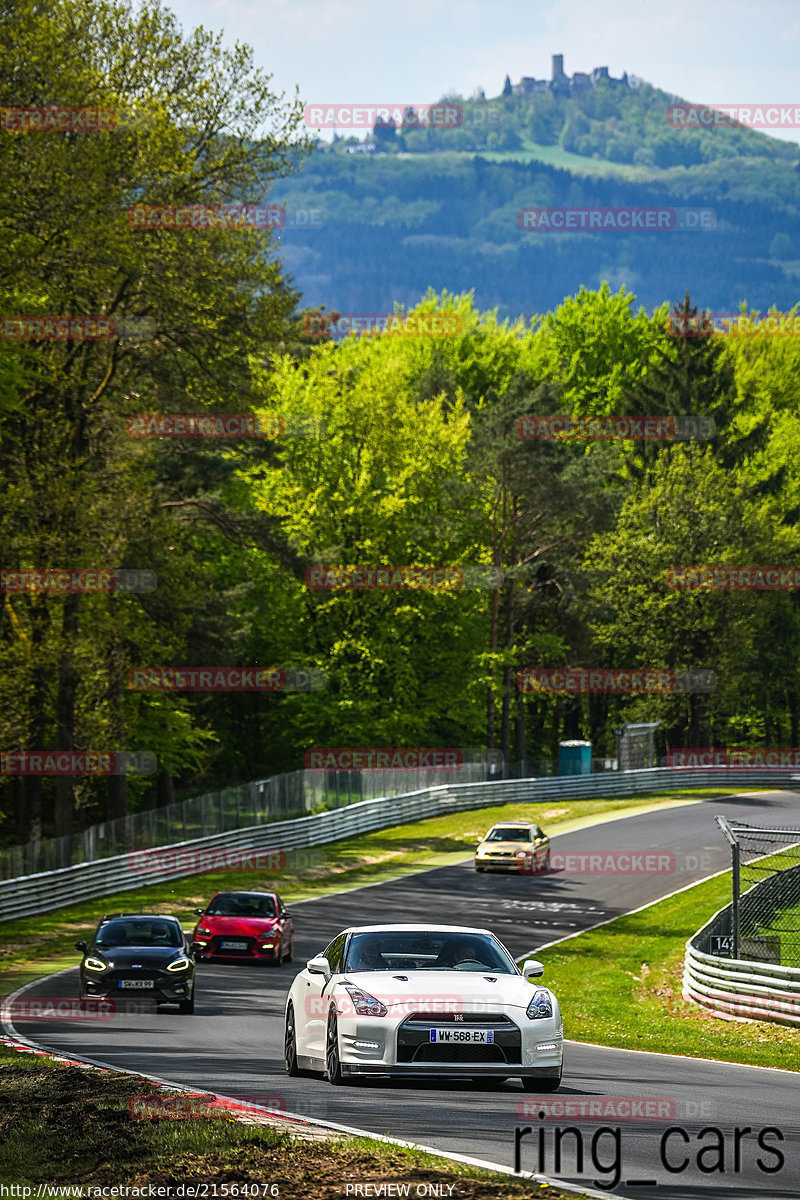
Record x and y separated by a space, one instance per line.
405 208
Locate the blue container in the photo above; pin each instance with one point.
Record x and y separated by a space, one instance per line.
575 758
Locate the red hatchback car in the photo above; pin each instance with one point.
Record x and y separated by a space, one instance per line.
250 925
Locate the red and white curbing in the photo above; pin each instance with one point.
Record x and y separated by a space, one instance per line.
239 1110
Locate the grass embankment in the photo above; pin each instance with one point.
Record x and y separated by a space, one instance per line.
620 985
37 945
60 1125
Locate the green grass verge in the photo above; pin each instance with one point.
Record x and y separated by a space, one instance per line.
61 1125
38 945
620 985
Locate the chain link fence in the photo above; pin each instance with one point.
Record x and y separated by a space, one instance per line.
294 794
765 909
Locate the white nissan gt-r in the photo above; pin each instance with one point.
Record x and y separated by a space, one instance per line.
423 1000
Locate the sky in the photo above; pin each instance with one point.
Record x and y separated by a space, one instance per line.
354 52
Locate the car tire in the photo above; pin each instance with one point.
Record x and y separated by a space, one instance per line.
186 1006
546 864
290 1044
289 955
481 869
333 1066
530 1083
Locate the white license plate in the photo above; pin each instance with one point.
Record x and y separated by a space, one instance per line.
463 1035
233 945
137 983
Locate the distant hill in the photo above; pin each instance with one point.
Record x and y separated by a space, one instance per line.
407 208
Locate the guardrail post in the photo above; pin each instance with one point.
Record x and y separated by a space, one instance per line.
735 899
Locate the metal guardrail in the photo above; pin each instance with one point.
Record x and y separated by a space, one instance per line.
49 890
738 988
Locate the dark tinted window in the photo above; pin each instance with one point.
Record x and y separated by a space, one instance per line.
240 904
139 931
335 951
507 833
423 950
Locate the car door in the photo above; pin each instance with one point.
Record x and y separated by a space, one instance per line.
316 1002
285 926
542 845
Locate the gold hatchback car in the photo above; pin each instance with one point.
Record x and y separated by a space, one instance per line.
514 846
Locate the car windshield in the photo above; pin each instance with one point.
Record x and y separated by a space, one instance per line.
508 833
423 950
232 905
139 932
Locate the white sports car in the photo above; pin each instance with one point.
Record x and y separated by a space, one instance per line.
422 1000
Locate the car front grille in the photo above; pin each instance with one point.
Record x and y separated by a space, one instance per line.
414 1044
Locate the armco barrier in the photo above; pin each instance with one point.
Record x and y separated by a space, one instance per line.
737 988
54 889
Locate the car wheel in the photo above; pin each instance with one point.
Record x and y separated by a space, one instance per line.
546 864
186 1006
289 955
531 1083
333 1066
290 1044
481 869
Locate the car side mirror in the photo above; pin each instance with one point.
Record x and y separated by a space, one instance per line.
532 968
319 966
199 911
81 946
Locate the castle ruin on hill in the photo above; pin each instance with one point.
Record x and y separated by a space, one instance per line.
566 84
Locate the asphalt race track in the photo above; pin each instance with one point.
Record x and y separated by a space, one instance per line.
233 1044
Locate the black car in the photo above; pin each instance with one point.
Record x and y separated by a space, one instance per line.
133 955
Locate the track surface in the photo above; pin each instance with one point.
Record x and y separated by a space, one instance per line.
233 1044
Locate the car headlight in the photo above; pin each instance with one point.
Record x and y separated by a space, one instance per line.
180 964
541 1005
366 1005
96 964
205 932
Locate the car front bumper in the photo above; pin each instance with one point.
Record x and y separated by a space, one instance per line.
521 1047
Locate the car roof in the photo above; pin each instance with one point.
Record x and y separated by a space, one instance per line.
236 892
515 824
139 917
415 929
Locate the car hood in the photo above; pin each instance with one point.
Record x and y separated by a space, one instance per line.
506 845
142 956
443 991
243 926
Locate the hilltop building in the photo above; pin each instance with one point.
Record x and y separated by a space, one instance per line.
565 84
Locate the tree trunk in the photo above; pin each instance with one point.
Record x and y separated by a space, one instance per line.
117 784
65 724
